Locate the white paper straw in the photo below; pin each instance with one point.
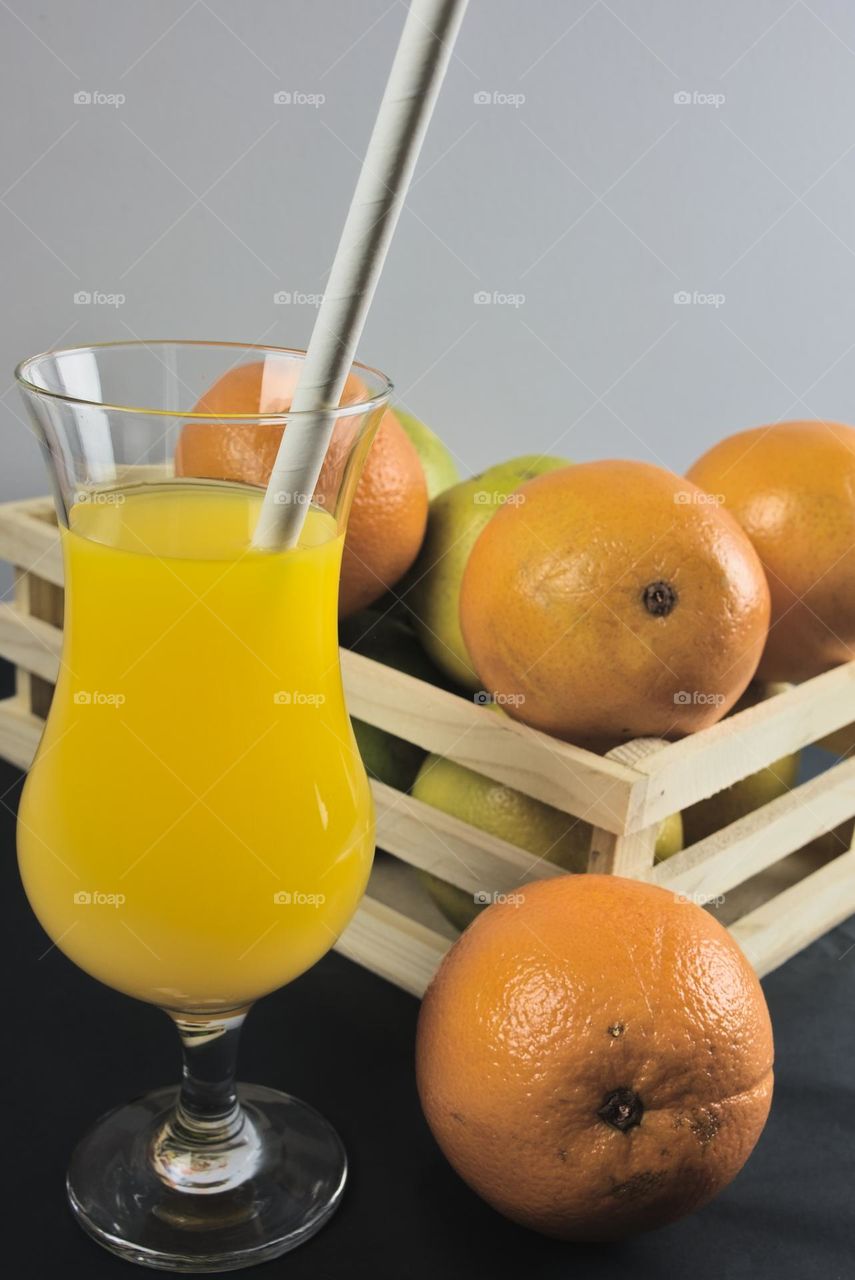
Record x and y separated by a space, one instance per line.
421 59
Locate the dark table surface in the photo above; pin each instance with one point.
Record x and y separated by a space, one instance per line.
342 1039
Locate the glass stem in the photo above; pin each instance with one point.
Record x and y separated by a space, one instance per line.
207 1143
207 1100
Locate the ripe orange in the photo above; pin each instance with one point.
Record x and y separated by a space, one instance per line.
595 1059
614 600
792 488
389 512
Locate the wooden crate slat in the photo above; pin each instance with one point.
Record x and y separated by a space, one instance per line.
21 597
698 766
602 791
41 507
46 602
739 851
794 919
29 540
629 854
471 859
20 732
391 944
34 646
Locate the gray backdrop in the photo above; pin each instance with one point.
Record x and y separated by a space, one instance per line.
655 199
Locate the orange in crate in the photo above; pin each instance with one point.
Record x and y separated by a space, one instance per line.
389 514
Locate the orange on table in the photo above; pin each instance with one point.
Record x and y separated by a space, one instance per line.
612 601
594 1057
791 486
389 512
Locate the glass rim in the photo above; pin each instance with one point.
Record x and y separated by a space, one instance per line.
25 366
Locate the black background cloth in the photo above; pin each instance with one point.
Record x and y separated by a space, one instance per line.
342 1039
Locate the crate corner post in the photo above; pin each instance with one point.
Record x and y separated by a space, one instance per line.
630 853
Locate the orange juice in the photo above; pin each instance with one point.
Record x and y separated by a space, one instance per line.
197 828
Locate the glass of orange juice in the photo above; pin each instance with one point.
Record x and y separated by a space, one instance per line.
196 829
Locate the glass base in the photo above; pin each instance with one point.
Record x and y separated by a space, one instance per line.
272 1186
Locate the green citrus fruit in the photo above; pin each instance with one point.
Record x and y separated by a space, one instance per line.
540 829
436 458
456 518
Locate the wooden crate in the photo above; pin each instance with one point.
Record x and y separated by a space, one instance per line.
778 897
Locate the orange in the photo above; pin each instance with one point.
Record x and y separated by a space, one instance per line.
389 513
595 1058
792 488
614 600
